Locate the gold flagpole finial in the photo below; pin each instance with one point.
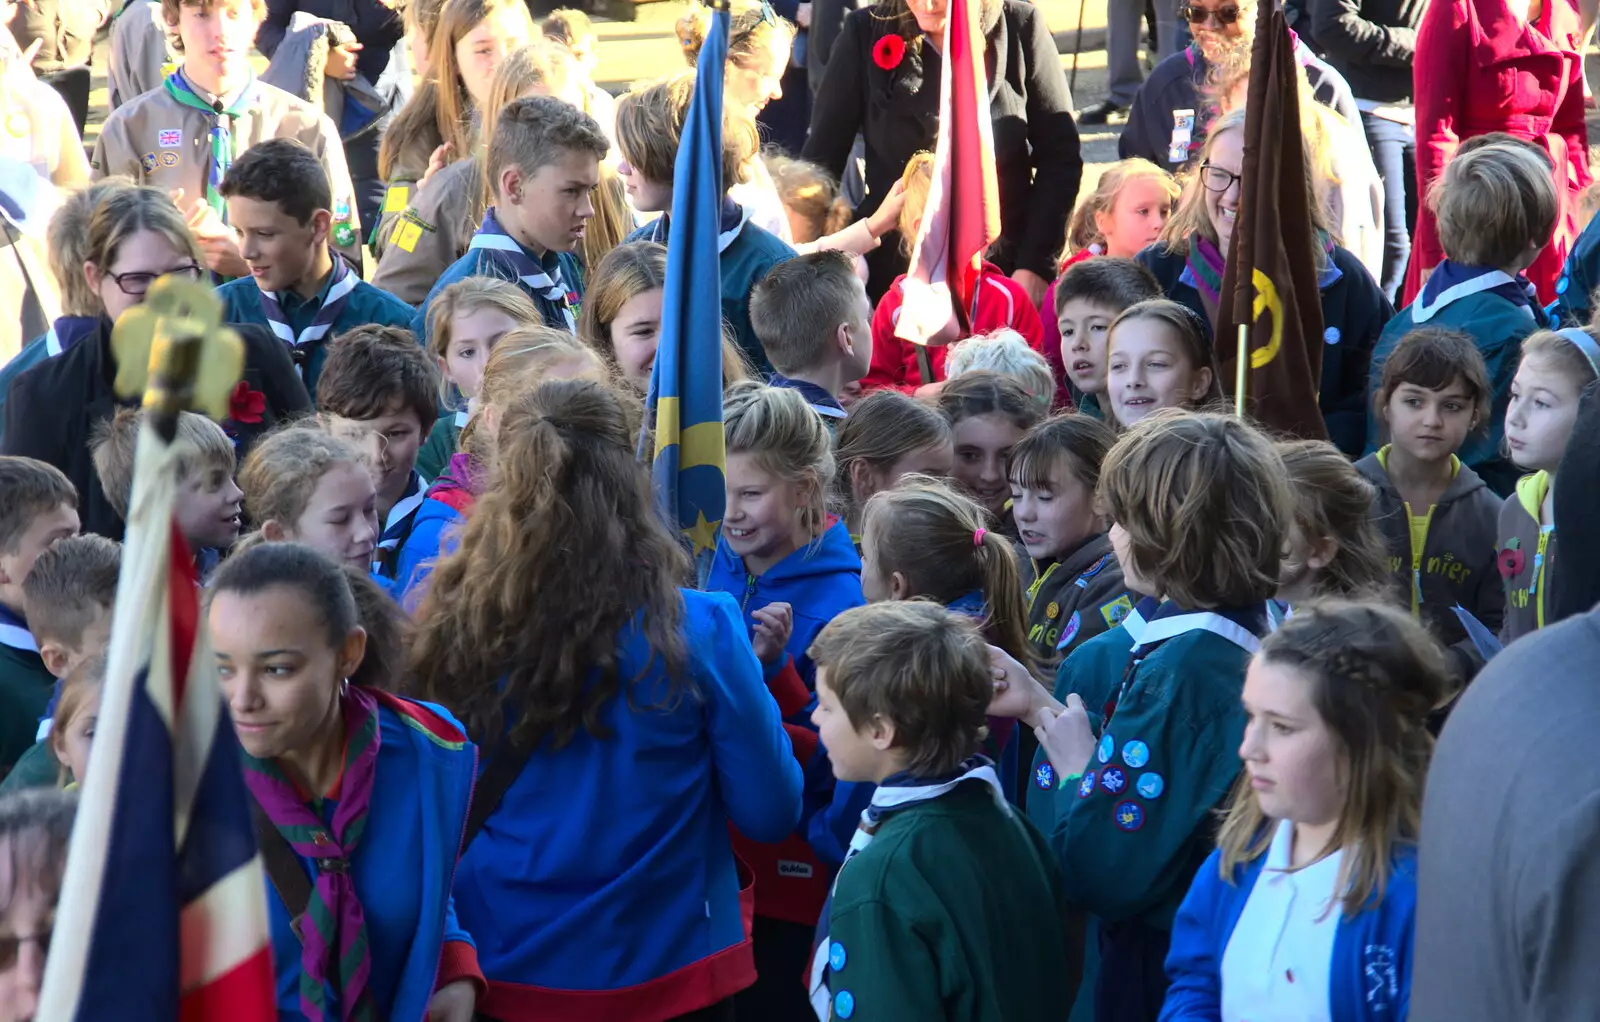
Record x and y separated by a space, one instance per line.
175 351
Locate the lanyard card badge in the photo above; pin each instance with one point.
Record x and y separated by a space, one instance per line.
1182 135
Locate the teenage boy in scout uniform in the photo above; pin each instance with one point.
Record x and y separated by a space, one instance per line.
183 136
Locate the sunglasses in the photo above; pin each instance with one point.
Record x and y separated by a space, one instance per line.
1227 14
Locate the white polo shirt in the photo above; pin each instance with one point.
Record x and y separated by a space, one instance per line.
1278 960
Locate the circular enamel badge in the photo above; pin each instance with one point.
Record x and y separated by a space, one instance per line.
1136 754
844 1004
1129 815
1053 611
1044 777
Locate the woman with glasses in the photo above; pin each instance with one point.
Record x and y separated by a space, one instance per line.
1500 65
1168 120
882 81
1191 256
136 236
35 826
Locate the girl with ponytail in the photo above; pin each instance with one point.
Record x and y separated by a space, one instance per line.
625 725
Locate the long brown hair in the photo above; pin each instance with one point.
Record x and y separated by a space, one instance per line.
1334 501
937 539
559 556
1375 676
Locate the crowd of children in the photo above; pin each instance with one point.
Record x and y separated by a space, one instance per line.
1022 680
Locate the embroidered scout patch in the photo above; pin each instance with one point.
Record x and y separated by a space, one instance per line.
1086 786
836 956
1135 753
1113 780
844 1004
1044 777
1053 611
169 160
1129 815
395 199
1150 786
1069 631
1116 610
1108 745
148 162
169 138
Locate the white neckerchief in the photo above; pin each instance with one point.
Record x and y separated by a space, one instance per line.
17 638
403 507
1165 628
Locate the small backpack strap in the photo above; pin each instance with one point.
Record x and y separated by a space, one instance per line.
283 866
505 765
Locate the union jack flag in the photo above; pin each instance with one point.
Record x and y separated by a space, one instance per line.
170 138
163 908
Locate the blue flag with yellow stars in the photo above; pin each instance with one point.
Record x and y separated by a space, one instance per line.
685 402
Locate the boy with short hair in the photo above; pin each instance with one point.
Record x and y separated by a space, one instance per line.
814 320
68 596
1089 295
543 168
921 923
649 127
38 506
280 207
377 380
183 136
209 503
1495 209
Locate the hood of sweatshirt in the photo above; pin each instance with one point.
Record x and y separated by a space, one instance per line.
1375 467
1531 491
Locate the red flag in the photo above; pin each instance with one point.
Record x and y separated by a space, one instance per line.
962 216
1271 279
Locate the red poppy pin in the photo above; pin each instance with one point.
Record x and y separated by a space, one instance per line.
888 52
246 406
1511 560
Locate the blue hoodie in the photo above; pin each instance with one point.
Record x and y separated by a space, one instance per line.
604 887
1370 979
403 866
819 582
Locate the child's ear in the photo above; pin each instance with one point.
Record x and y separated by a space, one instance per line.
862 483
881 733
510 185
321 226
1323 551
899 588
352 652
57 658
1202 380
273 531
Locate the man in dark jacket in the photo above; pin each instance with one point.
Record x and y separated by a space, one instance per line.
53 407
380 30
1372 44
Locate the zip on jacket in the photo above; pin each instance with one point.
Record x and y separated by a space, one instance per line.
1525 555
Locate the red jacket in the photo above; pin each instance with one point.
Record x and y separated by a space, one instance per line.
1002 302
1479 70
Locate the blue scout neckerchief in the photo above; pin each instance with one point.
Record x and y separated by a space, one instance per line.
821 402
894 793
504 251
340 285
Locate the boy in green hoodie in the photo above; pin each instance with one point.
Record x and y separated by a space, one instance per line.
1436 514
949 904
1074 584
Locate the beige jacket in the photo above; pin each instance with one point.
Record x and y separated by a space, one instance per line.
140 54
430 233
155 140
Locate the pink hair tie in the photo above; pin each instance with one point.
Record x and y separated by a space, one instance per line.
977 537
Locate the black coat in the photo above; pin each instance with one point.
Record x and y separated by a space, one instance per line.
1371 42
1354 311
897 111
54 406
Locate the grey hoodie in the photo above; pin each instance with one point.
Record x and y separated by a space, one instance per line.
1457 562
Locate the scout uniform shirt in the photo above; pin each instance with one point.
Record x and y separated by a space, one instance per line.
158 141
422 238
25 687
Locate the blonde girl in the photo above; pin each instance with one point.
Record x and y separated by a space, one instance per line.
1158 355
810 198
72 727
465 322
988 415
886 437
1123 215
1556 366
305 485
1329 807
466 45
621 317
427 227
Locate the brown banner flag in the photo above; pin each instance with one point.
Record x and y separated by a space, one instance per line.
1270 283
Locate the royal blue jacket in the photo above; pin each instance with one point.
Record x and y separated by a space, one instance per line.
1372 953
422 546
819 582
603 887
403 865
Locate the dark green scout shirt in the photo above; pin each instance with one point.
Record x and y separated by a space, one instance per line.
25 688
953 912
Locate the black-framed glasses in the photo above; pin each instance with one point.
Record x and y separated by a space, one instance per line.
1227 14
136 284
10 947
1217 179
